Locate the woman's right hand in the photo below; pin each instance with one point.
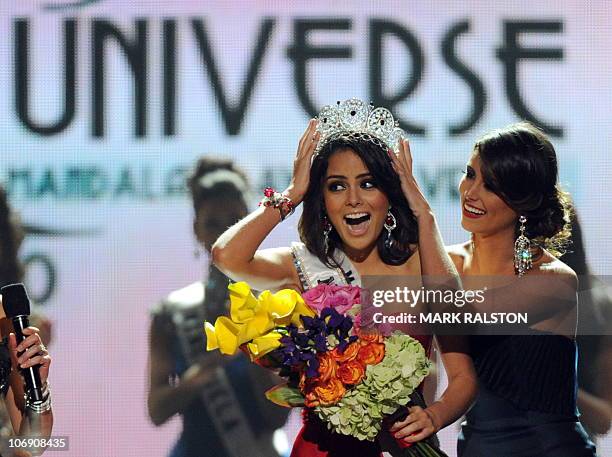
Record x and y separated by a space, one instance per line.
301 165
31 352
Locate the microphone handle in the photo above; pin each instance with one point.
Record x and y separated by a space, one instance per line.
30 375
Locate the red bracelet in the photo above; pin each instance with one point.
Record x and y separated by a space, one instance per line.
279 201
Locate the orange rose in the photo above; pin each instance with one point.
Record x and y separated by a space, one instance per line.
370 335
311 400
371 354
329 392
351 372
327 367
306 386
349 353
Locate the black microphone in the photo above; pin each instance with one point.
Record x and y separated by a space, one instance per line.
17 308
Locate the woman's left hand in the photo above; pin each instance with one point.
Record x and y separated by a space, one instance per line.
402 165
31 351
417 426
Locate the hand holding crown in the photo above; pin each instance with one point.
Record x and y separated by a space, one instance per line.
402 164
355 119
301 165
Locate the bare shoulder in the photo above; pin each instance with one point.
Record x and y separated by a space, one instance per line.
458 253
551 267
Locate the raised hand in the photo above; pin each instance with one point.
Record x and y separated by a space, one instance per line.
301 165
402 165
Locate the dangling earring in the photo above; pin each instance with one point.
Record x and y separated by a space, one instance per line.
522 251
327 228
390 225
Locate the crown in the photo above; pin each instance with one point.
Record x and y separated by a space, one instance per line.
354 119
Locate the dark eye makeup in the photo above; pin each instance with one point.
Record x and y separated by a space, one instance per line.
335 186
367 183
469 172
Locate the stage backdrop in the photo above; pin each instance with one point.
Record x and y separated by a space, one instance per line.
105 104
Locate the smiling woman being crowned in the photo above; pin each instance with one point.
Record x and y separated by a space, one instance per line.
363 214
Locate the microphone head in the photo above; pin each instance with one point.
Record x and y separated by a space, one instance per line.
15 300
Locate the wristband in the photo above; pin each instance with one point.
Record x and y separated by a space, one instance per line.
279 201
39 407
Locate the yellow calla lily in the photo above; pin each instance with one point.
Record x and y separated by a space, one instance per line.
255 328
243 304
301 309
279 305
211 337
252 319
263 322
227 335
260 346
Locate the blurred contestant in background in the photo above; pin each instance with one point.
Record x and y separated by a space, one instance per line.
221 400
17 416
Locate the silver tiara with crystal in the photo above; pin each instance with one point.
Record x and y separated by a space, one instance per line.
355 119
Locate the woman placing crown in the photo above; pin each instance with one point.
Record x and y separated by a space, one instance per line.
363 214
519 220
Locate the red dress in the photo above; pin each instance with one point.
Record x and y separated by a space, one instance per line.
315 440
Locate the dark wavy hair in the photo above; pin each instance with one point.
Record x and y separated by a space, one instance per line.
223 187
11 234
376 159
519 164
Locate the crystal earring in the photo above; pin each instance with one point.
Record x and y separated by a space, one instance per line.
390 225
522 250
327 228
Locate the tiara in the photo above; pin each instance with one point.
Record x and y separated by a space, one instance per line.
354 119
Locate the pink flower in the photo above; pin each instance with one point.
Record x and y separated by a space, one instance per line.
341 298
365 319
344 297
316 298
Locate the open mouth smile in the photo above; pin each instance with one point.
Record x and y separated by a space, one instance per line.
357 223
473 212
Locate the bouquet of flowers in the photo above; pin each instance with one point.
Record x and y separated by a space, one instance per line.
351 376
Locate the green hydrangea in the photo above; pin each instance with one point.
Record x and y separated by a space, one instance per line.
386 386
